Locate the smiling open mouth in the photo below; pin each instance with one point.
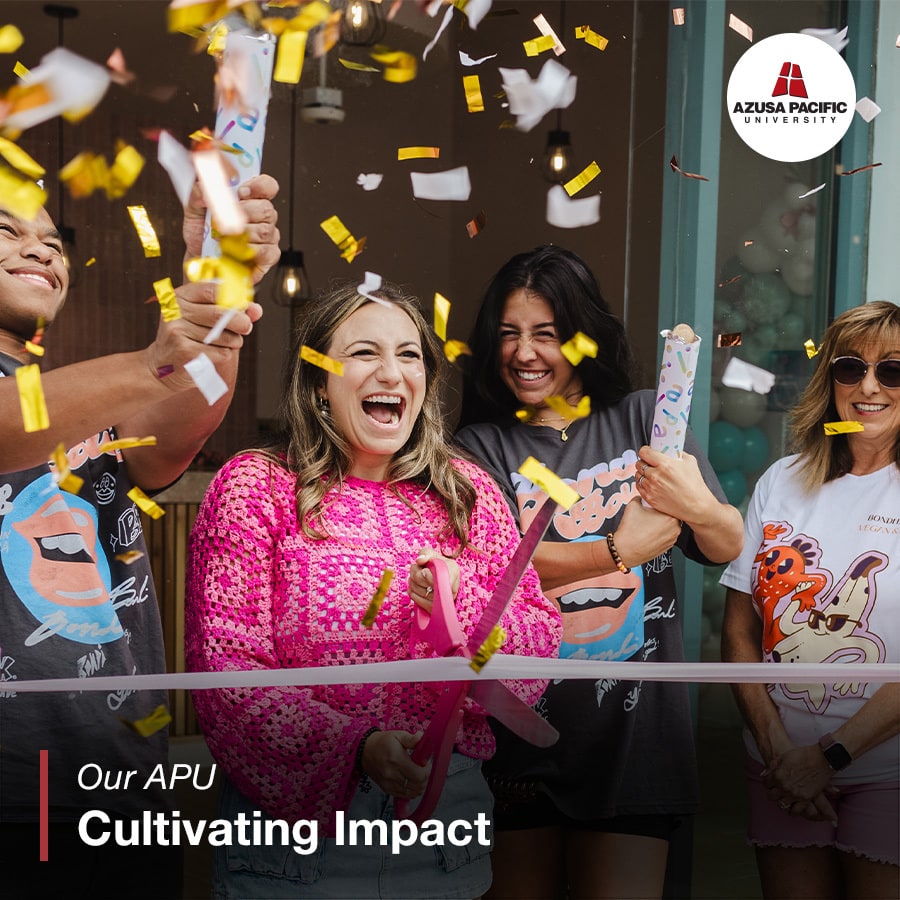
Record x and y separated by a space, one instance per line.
530 375
385 409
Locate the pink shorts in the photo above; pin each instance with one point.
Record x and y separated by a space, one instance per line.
868 820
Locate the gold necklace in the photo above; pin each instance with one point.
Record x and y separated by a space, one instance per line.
562 434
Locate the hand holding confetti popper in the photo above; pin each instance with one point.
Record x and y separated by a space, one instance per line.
241 116
676 385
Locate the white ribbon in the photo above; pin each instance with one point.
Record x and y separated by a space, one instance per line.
456 669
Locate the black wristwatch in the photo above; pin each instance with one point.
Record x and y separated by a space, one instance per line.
836 754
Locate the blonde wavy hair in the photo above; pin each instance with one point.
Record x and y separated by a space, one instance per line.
311 446
823 457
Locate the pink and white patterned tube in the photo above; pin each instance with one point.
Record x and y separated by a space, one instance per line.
676 385
241 121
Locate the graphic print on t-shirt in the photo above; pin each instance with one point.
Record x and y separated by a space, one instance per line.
52 556
811 617
603 617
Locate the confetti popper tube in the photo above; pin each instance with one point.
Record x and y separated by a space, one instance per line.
243 126
673 396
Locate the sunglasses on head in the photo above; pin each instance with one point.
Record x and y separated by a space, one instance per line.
851 370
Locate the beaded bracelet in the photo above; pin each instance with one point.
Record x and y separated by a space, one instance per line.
611 543
360 747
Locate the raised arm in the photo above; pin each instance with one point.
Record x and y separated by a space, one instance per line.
125 390
183 420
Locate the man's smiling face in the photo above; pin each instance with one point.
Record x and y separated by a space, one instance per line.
33 276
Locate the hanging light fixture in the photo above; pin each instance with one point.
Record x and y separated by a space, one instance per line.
291 281
363 23
61 12
558 156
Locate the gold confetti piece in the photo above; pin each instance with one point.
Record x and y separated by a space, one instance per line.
811 348
34 349
156 721
526 413
63 475
399 66
145 231
83 174
21 196
418 153
492 643
861 169
536 46
20 70
190 17
454 349
129 557
472 87
124 171
168 301
577 347
585 176
31 398
733 339
441 314
349 246
741 27
150 507
19 159
307 354
90 262
289 60
586 33
355 66
10 39
125 443
729 281
843 427
678 15
476 225
549 482
559 404
374 606
673 164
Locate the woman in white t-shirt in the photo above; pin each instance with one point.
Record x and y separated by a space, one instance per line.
819 582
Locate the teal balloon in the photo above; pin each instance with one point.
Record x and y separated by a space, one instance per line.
766 297
756 450
734 484
792 328
726 446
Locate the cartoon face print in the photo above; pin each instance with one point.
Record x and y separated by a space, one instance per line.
605 618
784 569
54 562
835 631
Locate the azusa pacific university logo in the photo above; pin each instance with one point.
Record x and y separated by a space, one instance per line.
791 97
790 82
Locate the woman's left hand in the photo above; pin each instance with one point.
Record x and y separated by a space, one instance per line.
798 780
672 485
421 581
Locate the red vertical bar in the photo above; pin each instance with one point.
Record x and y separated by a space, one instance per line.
45 806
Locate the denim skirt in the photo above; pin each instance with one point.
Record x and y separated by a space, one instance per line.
361 872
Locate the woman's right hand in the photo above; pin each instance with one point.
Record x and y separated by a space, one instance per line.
644 533
385 759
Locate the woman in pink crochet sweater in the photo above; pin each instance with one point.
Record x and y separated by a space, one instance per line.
288 549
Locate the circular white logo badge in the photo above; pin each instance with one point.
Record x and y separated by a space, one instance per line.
791 97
